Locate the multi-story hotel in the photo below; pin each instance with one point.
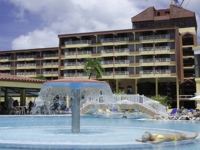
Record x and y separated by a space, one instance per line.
155 57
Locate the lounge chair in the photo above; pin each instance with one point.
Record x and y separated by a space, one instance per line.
107 110
172 115
185 116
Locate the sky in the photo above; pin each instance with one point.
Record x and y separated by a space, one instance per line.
28 24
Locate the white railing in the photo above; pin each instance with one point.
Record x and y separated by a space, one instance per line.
84 52
82 63
122 61
157 48
146 49
50 55
78 42
26 56
70 53
155 72
5 57
69 74
70 64
26 73
50 72
162 59
148 60
5 66
121 72
150 37
121 50
114 39
107 51
109 73
82 74
131 99
26 65
49 63
104 62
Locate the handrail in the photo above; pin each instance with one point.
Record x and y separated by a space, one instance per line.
132 99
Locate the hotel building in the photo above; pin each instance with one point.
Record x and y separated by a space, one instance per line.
155 57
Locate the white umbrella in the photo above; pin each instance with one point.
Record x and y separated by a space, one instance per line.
195 98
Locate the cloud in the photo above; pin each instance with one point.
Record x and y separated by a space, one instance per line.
73 16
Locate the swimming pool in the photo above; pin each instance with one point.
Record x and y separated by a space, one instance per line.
54 132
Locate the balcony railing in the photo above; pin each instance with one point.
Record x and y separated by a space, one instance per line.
70 53
26 65
84 52
150 37
81 63
27 56
122 61
120 39
5 57
69 74
150 60
78 42
49 64
107 51
50 72
50 55
70 64
155 72
121 50
157 48
26 73
104 62
82 74
5 66
121 72
109 73
162 59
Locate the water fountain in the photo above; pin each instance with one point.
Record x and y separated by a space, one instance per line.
64 131
58 92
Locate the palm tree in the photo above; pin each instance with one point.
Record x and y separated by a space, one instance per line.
93 66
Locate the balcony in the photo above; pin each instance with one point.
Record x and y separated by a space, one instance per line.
115 41
50 56
122 61
5 67
50 73
107 51
50 64
28 57
105 62
121 72
5 58
78 42
27 74
162 59
70 64
148 60
69 75
150 37
155 72
28 65
70 53
83 54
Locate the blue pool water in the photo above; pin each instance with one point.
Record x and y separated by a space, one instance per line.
54 132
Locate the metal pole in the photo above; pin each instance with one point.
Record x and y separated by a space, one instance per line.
75 111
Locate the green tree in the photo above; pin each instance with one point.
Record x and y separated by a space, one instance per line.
40 77
93 66
164 100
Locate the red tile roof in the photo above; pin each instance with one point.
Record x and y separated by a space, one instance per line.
8 77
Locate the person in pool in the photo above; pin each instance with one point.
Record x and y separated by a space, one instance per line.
158 138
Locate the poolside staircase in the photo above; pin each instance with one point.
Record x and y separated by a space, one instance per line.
140 102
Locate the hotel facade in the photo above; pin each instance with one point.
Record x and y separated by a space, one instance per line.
155 57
